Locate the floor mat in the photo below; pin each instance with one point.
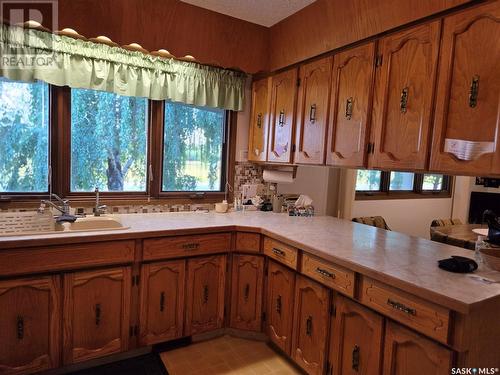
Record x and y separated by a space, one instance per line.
149 364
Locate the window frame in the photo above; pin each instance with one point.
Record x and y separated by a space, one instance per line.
416 193
60 159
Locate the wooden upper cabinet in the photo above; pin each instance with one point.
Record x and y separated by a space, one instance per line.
408 353
313 111
352 87
311 325
205 294
259 120
96 313
356 340
279 303
467 120
404 95
246 292
282 120
29 325
162 301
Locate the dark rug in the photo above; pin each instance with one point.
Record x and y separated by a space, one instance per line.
148 364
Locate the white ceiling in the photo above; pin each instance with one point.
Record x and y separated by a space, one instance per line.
261 12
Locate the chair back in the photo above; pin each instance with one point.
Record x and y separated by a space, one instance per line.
374 221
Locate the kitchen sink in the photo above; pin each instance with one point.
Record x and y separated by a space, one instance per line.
92 223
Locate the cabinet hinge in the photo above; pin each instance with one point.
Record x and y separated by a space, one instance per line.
370 148
293 148
378 60
333 310
328 368
135 280
298 82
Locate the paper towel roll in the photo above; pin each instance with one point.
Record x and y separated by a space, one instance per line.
282 177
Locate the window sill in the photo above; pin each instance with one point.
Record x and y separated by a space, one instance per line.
366 196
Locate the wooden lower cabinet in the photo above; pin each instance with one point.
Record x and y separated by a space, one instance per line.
408 353
96 313
205 294
29 325
356 339
311 325
279 305
246 292
161 314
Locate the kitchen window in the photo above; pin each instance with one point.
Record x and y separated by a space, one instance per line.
109 137
401 185
193 148
24 134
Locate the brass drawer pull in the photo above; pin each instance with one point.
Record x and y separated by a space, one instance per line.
474 91
348 108
281 118
325 273
279 252
20 327
404 100
312 114
278 304
309 324
205 294
259 120
247 292
191 246
162 301
355 358
401 307
97 314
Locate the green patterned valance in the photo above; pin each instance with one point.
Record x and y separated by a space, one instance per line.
29 54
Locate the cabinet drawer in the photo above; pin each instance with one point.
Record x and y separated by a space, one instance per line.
329 274
182 246
425 317
65 257
249 242
282 253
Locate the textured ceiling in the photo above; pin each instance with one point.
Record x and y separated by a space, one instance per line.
261 12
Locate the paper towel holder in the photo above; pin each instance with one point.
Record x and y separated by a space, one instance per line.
283 168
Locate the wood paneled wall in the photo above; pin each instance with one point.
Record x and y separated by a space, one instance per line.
178 27
329 24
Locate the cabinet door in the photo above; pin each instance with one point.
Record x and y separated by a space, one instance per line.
313 111
162 301
279 304
246 293
282 122
404 94
467 126
408 353
311 325
205 294
259 120
356 341
352 88
96 313
29 325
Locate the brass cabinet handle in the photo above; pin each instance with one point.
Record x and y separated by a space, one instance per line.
162 301
404 100
309 324
279 252
401 307
97 314
191 246
20 327
474 91
355 358
312 113
205 294
325 273
259 120
278 304
281 119
348 108
247 292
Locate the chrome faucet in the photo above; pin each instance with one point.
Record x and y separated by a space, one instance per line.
63 207
99 209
